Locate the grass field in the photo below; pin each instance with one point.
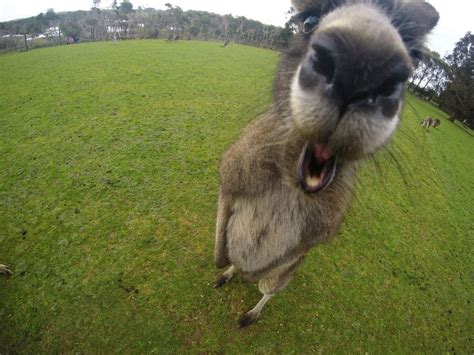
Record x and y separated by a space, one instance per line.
108 188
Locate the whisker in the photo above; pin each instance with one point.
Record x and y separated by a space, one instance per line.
402 172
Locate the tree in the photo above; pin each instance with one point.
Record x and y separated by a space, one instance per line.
52 22
92 22
71 28
51 17
429 77
126 8
285 35
458 98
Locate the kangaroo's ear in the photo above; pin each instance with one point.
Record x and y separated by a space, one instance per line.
316 8
414 19
305 5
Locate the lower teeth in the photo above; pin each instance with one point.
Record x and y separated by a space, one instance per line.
312 181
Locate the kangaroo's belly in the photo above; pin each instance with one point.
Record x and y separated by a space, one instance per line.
263 230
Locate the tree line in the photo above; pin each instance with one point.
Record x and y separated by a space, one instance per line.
123 21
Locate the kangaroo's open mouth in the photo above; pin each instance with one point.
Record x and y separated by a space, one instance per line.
316 168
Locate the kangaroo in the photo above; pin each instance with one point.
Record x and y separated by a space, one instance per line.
427 123
173 38
338 93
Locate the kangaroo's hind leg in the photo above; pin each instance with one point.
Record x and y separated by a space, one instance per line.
268 286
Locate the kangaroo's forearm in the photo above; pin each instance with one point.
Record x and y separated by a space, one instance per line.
249 166
246 172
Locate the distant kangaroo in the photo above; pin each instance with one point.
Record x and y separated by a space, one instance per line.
173 38
429 122
288 181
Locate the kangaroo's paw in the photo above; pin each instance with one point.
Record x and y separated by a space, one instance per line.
252 315
4 270
225 278
221 282
248 318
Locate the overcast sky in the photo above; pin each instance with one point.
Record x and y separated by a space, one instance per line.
456 15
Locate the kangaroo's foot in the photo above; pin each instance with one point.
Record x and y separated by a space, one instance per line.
252 315
4 270
226 277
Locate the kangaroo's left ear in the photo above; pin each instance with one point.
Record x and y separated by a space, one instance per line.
414 19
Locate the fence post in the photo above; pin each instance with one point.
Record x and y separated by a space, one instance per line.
26 42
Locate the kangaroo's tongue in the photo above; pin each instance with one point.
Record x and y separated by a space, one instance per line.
322 152
316 168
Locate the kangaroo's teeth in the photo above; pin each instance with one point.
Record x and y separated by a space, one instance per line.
313 181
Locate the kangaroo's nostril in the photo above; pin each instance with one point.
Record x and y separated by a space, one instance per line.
323 63
323 60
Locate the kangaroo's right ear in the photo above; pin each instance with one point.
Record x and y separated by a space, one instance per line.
414 19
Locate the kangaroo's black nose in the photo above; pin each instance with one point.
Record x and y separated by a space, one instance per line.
352 71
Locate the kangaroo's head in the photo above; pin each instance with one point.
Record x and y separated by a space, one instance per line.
343 79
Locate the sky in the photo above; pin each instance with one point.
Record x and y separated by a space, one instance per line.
456 15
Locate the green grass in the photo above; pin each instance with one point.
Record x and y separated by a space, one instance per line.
108 189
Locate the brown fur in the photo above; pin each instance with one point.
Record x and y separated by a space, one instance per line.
266 222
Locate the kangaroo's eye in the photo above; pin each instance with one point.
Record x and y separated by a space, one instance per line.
310 24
